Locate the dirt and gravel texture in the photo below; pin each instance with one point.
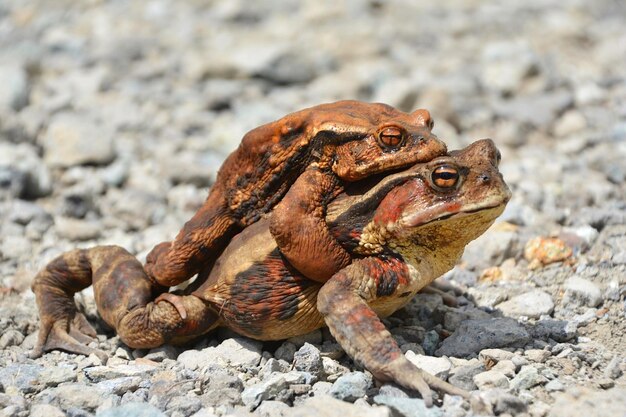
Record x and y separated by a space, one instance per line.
115 116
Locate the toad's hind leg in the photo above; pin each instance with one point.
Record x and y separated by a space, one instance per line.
198 244
123 296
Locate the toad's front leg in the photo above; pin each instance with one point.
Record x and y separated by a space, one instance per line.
298 225
123 294
343 301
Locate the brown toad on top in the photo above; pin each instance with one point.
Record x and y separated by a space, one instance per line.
401 234
298 162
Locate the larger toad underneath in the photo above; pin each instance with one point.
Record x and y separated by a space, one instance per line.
401 234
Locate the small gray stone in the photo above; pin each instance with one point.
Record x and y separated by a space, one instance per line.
266 390
491 379
45 410
184 405
78 395
10 337
351 387
54 376
408 407
558 330
533 304
220 386
537 355
14 93
77 230
271 409
25 377
132 410
73 139
161 353
555 385
273 365
324 406
308 359
286 352
101 373
612 369
237 352
527 378
22 172
495 355
507 367
119 386
440 367
473 336
463 377
491 248
581 291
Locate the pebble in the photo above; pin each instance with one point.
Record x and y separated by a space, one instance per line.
24 377
554 385
507 367
308 359
463 377
325 406
15 93
475 335
271 408
527 378
351 387
101 373
236 352
558 330
440 367
45 410
408 407
76 395
333 369
537 355
491 379
132 409
75 139
533 304
546 250
581 291
268 389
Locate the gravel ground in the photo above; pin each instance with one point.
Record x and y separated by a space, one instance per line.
115 116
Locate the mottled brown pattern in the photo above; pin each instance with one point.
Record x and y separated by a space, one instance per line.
400 233
341 139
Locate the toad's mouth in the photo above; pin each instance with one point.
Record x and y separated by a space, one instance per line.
448 210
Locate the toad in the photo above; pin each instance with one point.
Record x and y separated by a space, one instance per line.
401 232
297 163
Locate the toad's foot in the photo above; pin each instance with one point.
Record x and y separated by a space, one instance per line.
123 294
176 300
71 334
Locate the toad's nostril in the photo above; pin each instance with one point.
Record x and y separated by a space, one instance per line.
485 177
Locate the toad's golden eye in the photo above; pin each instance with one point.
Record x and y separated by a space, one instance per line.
445 176
391 136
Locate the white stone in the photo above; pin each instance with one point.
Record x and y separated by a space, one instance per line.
440 367
533 304
73 139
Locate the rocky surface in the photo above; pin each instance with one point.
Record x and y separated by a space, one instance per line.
115 116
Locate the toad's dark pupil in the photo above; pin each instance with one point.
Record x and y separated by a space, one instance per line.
446 175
